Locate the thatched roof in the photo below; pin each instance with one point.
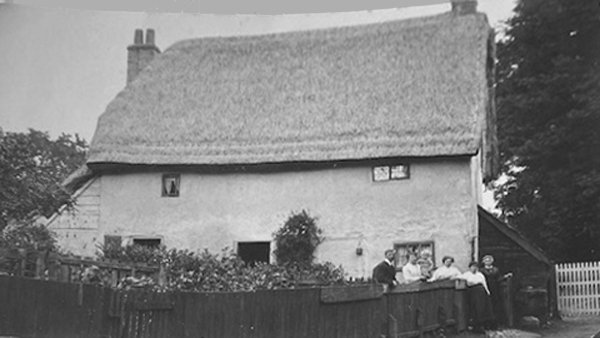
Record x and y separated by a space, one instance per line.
407 88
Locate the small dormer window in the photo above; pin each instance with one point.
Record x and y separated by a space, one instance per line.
391 172
170 185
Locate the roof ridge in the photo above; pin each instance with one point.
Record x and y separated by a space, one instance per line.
326 32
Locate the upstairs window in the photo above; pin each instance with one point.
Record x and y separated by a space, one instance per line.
391 172
170 185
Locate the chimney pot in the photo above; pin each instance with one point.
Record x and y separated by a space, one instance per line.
463 7
138 38
150 37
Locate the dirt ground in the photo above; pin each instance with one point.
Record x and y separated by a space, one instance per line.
572 328
567 328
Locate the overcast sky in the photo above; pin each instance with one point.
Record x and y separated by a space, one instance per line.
59 68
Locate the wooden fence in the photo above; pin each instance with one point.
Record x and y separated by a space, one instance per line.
578 289
37 308
51 266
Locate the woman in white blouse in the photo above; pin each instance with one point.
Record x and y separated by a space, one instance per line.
446 271
479 304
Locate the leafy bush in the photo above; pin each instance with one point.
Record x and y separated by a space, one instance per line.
297 240
30 240
185 270
131 253
207 272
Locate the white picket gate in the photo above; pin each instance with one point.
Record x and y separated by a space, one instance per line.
578 289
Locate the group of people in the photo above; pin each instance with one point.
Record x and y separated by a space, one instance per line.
484 298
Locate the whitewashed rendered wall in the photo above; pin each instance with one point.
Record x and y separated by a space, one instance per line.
437 203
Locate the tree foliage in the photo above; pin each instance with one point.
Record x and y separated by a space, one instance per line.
297 240
32 237
549 125
32 166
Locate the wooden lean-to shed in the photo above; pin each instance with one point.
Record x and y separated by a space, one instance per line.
532 288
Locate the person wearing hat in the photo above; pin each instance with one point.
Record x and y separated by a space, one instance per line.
493 277
385 272
446 271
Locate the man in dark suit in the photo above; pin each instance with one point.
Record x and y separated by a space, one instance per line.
385 272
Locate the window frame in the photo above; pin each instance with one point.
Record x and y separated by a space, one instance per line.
166 178
267 242
390 172
147 245
401 261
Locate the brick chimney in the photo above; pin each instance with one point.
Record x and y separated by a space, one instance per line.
463 7
140 53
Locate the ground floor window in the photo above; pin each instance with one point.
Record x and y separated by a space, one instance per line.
418 248
254 252
147 242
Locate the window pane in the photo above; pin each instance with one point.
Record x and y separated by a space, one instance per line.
170 185
381 173
399 172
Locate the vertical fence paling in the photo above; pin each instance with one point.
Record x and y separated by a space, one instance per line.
578 288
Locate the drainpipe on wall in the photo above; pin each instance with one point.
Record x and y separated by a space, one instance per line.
474 249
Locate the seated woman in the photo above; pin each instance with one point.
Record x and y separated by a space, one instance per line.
479 305
446 271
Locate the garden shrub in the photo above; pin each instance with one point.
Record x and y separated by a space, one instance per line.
225 272
204 271
31 240
297 240
134 253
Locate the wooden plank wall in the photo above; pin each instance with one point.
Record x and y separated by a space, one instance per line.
33 308
46 309
425 308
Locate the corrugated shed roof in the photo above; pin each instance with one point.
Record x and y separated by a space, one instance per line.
414 87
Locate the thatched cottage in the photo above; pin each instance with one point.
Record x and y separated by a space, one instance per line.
383 131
